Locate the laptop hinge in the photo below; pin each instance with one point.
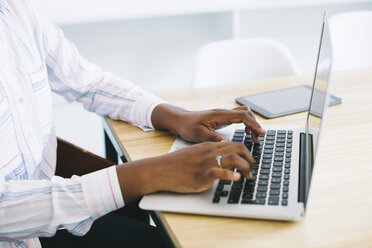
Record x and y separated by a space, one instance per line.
305 167
302 170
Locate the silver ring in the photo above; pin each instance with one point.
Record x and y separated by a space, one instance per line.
218 158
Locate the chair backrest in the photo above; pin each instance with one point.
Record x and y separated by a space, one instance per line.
351 34
242 60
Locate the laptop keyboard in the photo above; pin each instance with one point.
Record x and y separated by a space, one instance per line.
271 175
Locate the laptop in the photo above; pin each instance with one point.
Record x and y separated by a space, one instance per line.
284 162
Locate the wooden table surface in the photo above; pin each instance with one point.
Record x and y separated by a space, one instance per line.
339 212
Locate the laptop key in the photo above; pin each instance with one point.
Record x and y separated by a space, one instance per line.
278 164
270 132
279 154
249 190
279 149
279 159
239 134
280 145
237 139
287 171
290 132
273 200
266 166
274 192
281 131
234 196
260 201
248 201
247 196
277 169
289 145
285 195
269 146
287 165
276 180
284 202
261 188
286 183
265 171
261 195
268 151
288 155
266 161
267 156
277 174
289 150
250 184
269 142
216 199
226 182
275 186
237 186
289 141
263 183
270 137
220 187
285 189
286 177
224 193
264 177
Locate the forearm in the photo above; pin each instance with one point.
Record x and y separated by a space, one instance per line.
35 208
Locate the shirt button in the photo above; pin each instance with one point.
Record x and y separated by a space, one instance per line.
20 100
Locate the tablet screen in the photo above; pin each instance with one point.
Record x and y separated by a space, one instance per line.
285 101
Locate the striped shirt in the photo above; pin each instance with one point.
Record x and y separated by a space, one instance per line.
36 59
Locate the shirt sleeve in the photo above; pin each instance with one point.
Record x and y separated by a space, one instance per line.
73 77
44 206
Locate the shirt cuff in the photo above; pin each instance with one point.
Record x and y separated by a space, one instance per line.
142 111
102 192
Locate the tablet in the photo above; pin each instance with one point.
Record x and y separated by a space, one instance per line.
285 101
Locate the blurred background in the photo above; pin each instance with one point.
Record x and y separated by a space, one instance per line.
153 43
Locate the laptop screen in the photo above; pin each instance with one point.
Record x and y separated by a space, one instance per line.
319 97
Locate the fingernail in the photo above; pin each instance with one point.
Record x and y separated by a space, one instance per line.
223 140
250 175
236 175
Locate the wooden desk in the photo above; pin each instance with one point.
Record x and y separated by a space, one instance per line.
339 211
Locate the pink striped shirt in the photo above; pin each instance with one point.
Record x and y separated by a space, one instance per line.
36 59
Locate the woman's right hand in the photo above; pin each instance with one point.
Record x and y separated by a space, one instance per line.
191 169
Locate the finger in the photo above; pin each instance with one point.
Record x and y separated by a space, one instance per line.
239 116
238 148
232 160
241 108
253 133
250 112
218 173
212 136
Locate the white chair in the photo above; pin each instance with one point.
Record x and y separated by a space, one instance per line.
351 35
242 60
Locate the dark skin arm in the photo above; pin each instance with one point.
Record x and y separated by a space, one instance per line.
192 169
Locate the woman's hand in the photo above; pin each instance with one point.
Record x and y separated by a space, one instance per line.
192 169
198 126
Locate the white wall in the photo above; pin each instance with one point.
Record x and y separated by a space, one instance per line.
157 53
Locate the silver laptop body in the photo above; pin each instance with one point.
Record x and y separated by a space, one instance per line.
296 170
